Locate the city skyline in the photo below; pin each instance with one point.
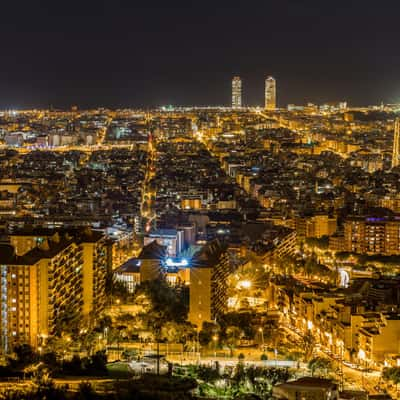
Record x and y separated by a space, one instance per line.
199 200
191 233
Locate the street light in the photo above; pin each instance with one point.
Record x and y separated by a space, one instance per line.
215 339
262 336
198 343
244 284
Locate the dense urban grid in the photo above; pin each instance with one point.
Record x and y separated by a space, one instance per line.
201 252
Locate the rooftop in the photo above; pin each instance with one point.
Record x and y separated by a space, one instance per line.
130 266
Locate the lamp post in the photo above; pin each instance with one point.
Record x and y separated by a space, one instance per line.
261 330
215 340
198 343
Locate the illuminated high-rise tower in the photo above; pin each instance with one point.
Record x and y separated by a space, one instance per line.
396 143
236 92
270 93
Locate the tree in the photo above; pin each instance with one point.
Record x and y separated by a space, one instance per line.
85 392
44 385
308 343
392 374
319 364
286 264
58 344
242 320
67 321
207 332
116 288
321 243
103 323
233 334
167 304
311 266
50 361
97 363
23 356
73 366
174 332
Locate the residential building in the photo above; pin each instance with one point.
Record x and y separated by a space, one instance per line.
61 280
396 144
172 239
372 235
307 388
208 283
379 341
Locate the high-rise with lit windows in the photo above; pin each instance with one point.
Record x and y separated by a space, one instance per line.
270 93
236 92
396 143
208 283
48 282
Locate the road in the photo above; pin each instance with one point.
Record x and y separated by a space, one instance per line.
353 378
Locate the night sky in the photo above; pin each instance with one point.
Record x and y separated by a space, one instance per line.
128 53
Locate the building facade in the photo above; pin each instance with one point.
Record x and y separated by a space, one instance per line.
208 283
270 93
172 239
396 144
236 92
372 235
60 281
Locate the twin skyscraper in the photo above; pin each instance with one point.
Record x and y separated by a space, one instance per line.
270 93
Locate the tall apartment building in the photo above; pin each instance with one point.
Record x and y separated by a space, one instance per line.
396 144
391 201
380 340
315 226
236 92
55 279
208 283
372 235
270 93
